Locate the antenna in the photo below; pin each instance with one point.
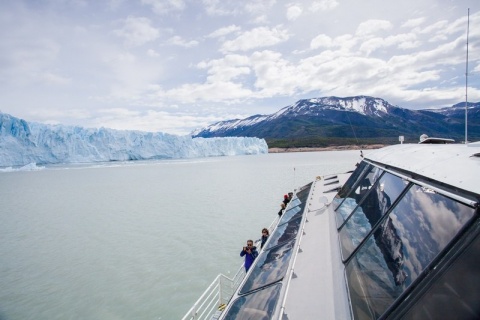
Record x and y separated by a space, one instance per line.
466 82
294 185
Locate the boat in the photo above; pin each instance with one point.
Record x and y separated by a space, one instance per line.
397 237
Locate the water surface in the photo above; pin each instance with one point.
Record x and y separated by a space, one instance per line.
137 240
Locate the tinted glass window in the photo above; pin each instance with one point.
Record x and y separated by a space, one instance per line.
271 267
292 213
284 232
400 248
354 197
362 168
259 305
294 202
456 294
302 193
378 201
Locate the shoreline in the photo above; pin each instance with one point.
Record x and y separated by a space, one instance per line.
331 148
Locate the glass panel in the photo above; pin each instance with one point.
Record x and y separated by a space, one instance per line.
256 306
292 213
369 212
352 180
271 266
361 189
452 296
402 246
294 202
284 232
302 193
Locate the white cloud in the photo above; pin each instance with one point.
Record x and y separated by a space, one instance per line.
162 7
214 92
321 41
178 41
152 53
224 31
55 79
294 12
227 68
119 56
401 41
255 7
437 26
137 31
262 19
371 27
324 5
275 75
412 23
256 38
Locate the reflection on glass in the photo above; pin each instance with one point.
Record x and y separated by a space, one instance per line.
455 295
294 202
361 189
352 180
403 245
256 306
369 212
292 213
302 193
284 232
271 267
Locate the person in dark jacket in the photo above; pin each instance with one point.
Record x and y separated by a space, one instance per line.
265 235
282 208
250 253
286 199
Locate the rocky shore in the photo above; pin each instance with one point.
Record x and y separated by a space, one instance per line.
331 148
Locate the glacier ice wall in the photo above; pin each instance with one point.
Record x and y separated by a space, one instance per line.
22 143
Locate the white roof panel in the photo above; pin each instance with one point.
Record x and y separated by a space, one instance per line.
452 164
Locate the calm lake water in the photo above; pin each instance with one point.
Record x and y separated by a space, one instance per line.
137 240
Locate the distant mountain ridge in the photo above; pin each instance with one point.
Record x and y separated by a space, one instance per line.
350 117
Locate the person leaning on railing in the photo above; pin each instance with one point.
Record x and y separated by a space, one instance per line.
250 253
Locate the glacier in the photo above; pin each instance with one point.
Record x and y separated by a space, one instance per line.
23 143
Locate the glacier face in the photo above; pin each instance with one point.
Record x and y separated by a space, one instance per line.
22 143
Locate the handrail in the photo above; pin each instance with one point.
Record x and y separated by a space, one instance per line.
221 291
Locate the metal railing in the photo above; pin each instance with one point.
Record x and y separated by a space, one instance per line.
213 301
209 305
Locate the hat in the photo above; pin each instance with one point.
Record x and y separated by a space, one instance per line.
285 196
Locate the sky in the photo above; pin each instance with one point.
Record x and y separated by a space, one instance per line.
177 65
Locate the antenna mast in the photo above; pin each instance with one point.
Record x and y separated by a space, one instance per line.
466 82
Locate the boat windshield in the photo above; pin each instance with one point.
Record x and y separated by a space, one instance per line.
258 305
363 184
352 181
401 247
366 215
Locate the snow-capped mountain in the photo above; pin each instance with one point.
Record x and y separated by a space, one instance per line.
360 116
22 143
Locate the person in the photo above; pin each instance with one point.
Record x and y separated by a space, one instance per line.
290 196
286 199
265 235
250 253
282 207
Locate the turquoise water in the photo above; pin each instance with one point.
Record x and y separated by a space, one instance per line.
137 240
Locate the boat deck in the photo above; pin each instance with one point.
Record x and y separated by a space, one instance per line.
317 288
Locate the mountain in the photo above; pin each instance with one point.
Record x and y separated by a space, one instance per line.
22 143
360 117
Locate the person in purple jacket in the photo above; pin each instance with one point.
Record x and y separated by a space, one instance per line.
250 253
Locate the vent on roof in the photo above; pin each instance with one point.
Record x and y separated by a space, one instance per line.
424 139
